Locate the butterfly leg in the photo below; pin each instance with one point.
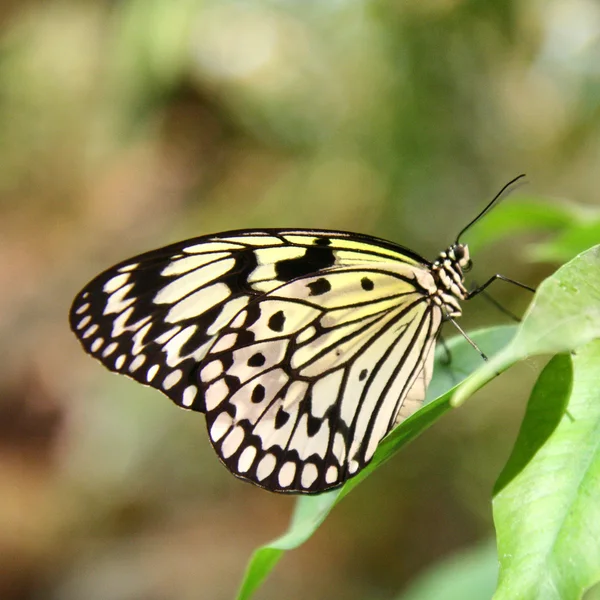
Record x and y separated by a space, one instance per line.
499 306
491 280
463 333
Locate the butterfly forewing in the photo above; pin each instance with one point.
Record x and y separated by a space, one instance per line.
153 317
303 347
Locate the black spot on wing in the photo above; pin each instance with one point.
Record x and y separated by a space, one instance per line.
258 394
277 321
314 260
313 425
367 284
281 418
362 375
232 382
256 360
319 287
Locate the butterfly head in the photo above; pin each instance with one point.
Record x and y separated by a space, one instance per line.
459 255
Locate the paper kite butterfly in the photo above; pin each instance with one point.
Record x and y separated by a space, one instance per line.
303 348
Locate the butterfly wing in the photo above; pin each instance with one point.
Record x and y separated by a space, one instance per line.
154 317
304 383
304 348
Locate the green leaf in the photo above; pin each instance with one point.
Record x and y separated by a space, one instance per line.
575 227
470 574
546 508
311 511
568 243
523 215
545 410
564 315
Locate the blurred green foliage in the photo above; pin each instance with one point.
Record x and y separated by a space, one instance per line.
469 574
126 125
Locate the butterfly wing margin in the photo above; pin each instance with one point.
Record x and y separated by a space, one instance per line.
302 407
415 396
154 316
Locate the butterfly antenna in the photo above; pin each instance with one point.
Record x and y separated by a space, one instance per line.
507 189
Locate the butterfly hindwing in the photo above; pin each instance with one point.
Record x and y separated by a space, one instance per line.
303 384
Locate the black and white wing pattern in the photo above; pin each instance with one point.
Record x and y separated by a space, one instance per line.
303 348
303 384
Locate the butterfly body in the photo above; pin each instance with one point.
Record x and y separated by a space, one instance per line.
302 347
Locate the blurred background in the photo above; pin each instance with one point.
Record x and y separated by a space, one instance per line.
128 125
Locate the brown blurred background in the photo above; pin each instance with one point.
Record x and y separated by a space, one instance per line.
126 125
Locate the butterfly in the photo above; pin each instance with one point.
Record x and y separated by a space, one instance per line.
303 348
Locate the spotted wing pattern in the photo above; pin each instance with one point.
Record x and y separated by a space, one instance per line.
301 346
303 384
